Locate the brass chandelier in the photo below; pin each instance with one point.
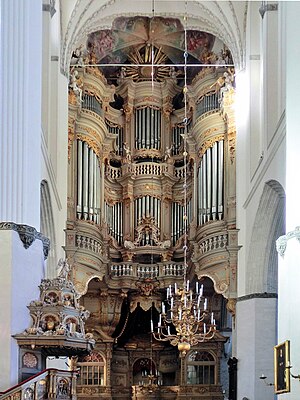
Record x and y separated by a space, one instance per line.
184 320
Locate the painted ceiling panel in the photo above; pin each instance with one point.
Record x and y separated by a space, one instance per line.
223 19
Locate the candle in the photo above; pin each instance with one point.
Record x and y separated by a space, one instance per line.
204 328
197 287
212 318
152 325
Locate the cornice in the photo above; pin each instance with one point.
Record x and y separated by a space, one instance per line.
264 295
27 235
282 241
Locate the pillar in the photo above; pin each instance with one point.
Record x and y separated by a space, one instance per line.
21 246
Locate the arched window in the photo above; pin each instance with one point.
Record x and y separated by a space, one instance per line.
92 370
201 368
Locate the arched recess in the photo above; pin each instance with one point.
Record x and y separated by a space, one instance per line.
269 224
47 228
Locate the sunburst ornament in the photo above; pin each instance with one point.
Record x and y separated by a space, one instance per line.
145 66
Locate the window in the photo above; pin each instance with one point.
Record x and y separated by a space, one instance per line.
201 368
91 370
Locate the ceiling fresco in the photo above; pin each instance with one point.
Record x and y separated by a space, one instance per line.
132 35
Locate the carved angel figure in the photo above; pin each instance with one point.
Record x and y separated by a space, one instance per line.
65 269
76 85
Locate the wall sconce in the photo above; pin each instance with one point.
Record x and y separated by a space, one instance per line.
293 376
265 6
263 378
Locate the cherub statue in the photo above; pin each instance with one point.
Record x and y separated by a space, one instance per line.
76 84
127 152
168 153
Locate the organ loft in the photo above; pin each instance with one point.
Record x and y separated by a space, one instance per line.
151 202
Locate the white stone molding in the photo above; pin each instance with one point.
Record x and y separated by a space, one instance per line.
281 242
27 235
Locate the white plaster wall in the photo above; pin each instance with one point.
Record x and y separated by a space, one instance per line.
258 159
55 129
289 271
292 114
288 311
255 332
21 273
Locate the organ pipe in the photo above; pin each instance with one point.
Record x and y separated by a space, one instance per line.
210 184
88 183
178 223
220 180
147 206
85 179
79 179
114 220
147 128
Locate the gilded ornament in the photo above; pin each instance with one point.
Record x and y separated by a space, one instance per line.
209 143
90 142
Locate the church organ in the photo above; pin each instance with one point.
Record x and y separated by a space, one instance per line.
135 195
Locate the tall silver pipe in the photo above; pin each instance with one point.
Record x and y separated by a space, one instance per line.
91 185
220 178
85 179
200 188
214 179
79 179
204 202
209 176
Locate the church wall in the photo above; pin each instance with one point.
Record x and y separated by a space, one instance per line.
288 246
261 146
54 129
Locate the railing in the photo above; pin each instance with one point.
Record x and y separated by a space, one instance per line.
50 383
179 172
217 242
148 169
146 271
145 168
88 243
113 172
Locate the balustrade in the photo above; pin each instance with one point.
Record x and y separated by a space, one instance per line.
88 243
212 243
50 383
145 271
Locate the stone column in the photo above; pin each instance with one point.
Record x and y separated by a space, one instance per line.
21 247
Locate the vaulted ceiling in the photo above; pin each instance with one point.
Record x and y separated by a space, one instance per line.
226 20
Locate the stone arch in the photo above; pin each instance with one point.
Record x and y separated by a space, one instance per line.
47 228
269 224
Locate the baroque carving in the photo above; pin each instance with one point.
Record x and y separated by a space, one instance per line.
90 142
57 313
209 143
